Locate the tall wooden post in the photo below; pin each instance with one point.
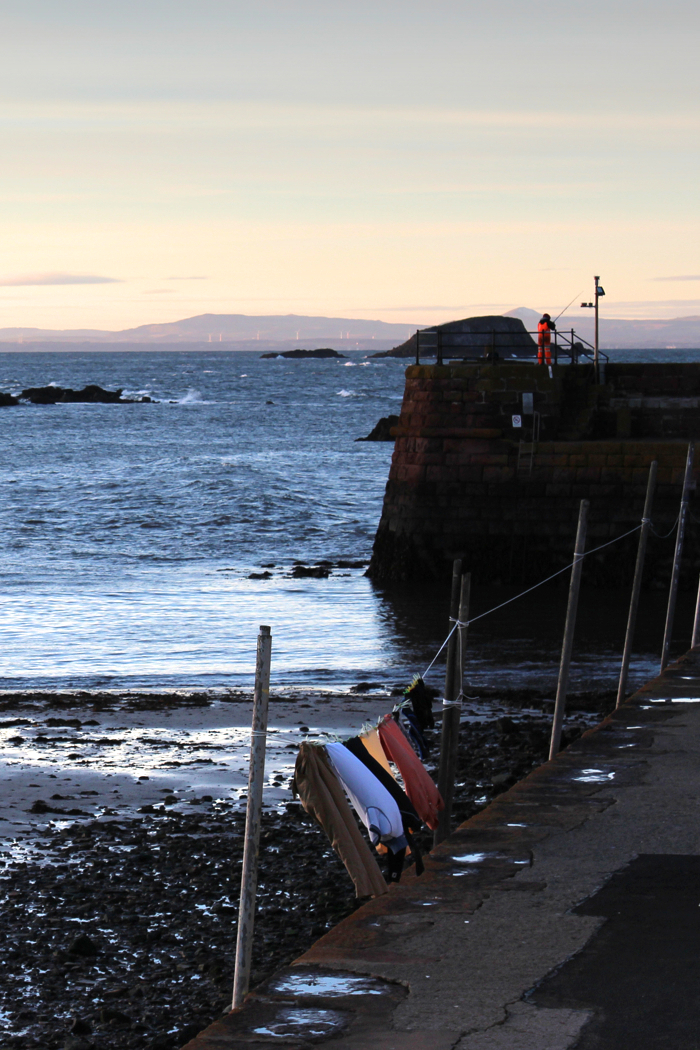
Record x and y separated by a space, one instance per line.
695 640
256 776
449 709
464 601
637 584
452 715
567 645
678 554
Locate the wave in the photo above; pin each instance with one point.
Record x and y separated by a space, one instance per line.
192 397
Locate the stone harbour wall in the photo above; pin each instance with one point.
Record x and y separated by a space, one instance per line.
465 481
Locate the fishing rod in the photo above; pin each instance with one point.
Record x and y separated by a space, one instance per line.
566 307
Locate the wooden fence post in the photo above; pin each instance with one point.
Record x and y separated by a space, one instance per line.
677 555
636 584
256 777
572 608
452 707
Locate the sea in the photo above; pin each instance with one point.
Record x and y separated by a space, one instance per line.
142 545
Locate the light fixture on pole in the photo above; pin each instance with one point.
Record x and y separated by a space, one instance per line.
599 290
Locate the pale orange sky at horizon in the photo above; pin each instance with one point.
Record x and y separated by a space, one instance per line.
382 160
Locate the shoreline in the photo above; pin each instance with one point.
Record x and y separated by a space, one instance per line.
78 756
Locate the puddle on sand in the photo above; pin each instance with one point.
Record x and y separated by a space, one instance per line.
197 754
478 858
593 776
207 761
673 700
331 985
303 1023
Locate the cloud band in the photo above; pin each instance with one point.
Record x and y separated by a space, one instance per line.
27 279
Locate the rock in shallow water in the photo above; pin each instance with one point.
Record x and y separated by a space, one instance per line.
297 354
90 394
382 431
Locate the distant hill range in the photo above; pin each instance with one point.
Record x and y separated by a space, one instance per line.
251 332
245 332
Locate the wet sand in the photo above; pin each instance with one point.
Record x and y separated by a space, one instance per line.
111 754
119 919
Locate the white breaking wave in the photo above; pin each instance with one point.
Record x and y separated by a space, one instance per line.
193 397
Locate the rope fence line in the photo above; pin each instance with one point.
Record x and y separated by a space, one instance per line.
463 624
534 587
672 529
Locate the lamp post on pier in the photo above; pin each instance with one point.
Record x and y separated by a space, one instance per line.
599 290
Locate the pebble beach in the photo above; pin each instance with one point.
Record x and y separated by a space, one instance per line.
122 824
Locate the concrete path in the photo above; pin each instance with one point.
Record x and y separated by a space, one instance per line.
565 915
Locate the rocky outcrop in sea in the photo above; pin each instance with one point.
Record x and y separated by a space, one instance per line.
90 394
297 354
382 431
59 395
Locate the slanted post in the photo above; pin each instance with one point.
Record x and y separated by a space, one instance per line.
637 584
678 554
452 715
574 359
695 640
256 776
464 600
571 610
451 694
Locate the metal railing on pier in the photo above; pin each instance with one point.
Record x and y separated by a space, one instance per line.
566 346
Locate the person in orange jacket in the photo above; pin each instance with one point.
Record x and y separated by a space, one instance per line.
544 327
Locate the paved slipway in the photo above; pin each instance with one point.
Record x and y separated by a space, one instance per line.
564 915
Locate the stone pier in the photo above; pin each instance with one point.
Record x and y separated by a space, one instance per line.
492 460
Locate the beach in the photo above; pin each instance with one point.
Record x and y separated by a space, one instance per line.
122 823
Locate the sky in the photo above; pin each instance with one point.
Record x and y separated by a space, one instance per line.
401 161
